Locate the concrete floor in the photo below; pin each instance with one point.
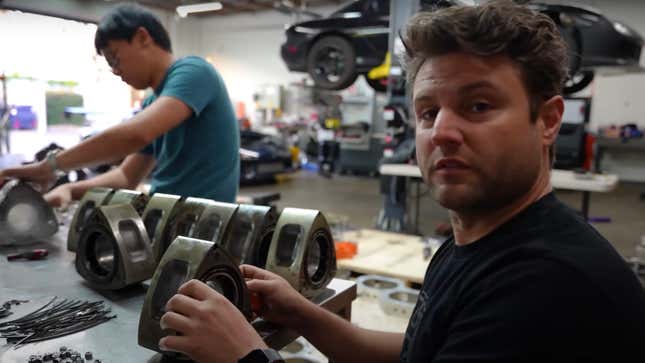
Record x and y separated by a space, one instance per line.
358 198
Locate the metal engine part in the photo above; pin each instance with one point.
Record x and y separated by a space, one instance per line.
301 358
374 285
249 234
24 214
159 211
97 197
114 250
399 301
185 259
302 250
92 199
123 196
198 218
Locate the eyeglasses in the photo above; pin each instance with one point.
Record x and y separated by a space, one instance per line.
111 58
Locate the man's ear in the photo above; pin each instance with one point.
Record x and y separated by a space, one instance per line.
551 118
141 37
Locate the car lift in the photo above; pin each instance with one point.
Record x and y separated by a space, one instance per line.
393 216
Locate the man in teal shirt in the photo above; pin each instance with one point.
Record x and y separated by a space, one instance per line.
186 135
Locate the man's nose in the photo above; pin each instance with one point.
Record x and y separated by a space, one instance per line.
446 129
116 71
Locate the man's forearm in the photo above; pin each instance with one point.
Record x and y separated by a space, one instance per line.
121 139
341 341
114 178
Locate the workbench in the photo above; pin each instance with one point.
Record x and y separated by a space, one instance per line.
388 254
116 340
560 179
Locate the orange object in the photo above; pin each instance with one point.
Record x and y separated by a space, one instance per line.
345 249
257 303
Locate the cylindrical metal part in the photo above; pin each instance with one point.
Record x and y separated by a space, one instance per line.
302 250
186 259
114 250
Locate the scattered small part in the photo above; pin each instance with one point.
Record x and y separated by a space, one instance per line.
5 309
57 318
37 254
97 361
88 355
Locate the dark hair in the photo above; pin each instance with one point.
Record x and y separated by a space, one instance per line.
530 39
122 22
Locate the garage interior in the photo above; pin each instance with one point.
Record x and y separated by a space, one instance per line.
310 140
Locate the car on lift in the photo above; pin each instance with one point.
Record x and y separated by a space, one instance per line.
354 39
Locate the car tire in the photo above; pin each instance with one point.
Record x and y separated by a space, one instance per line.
376 84
324 51
577 82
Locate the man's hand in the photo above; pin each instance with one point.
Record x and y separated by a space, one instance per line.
59 197
282 303
39 173
212 329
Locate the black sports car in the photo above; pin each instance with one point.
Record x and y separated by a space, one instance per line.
354 40
262 157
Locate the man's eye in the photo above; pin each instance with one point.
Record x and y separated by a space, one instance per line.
429 115
480 107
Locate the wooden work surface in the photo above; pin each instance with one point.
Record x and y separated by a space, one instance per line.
386 253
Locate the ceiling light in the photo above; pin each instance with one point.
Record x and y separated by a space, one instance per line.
184 10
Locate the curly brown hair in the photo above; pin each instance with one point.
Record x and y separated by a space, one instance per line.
530 39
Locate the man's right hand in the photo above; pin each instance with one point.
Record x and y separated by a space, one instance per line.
59 197
282 304
39 173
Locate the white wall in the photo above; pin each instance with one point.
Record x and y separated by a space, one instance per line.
245 49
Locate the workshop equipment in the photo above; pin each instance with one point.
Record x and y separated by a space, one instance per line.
198 218
186 259
249 234
114 250
375 285
399 301
302 250
160 209
24 215
37 254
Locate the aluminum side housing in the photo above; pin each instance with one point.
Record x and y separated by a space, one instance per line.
186 259
92 199
156 217
249 235
114 250
24 215
197 218
302 250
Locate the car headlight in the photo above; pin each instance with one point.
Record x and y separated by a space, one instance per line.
622 29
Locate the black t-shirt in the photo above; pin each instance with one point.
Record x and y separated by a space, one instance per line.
543 287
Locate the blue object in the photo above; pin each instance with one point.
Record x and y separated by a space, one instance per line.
23 118
200 157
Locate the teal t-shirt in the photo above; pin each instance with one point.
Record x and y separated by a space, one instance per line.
200 157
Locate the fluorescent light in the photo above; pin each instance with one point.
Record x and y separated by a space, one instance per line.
184 10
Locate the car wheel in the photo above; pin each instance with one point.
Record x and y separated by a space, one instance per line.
577 82
331 63
377 85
